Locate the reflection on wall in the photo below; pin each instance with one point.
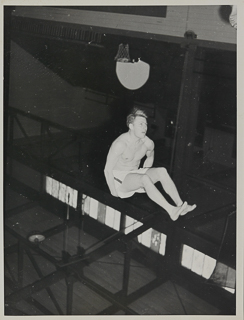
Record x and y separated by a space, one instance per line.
35 88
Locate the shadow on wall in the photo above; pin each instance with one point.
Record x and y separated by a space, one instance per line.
224 13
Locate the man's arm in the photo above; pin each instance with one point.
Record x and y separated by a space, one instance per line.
150 155
114 153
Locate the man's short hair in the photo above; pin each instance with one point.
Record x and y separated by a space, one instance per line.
135 112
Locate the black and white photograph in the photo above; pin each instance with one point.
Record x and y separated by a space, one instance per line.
120 152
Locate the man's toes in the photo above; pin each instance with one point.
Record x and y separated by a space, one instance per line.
188 209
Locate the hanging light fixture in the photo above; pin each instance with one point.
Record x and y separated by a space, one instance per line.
36 237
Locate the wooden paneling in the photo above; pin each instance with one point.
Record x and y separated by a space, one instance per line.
205 21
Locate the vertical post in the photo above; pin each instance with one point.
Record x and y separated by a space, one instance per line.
186 118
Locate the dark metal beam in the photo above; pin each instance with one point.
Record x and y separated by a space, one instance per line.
207 217
11 249
40 274
208 182
147 288
15 111
19 209
23 189
115 242
212 294
36 286
6 265
31 301
78 274
30 245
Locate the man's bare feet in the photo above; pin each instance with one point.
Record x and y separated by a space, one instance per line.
187 209
176 211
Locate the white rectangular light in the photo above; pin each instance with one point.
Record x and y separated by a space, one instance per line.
109 219
129 224
146 238
208 266
187 256
162 244
93 208
117 219
197 262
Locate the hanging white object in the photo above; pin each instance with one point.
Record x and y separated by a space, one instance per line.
132 75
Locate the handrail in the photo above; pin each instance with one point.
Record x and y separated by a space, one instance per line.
13 110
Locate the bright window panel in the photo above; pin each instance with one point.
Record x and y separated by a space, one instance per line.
155 240
231 278
146 238
55 189
208 266
129 224
93 208
139 238
187 257
86 204
137 224
197 262
69 195
75 199
117 218
101 212
62 192
229 289
49 182
109 219
162 247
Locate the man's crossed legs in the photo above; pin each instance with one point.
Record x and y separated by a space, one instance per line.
134 181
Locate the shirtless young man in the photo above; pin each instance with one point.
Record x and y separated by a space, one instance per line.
123 176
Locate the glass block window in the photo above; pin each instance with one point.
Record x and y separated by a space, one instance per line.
102 213
207 267
154 240
151 238
197 262
61 192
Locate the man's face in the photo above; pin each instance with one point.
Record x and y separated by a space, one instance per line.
140 126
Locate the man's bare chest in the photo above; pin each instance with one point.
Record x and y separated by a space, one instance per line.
134 153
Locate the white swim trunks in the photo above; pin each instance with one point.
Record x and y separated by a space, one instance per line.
119 177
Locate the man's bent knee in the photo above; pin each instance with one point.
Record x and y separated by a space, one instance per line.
146 180
162 171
